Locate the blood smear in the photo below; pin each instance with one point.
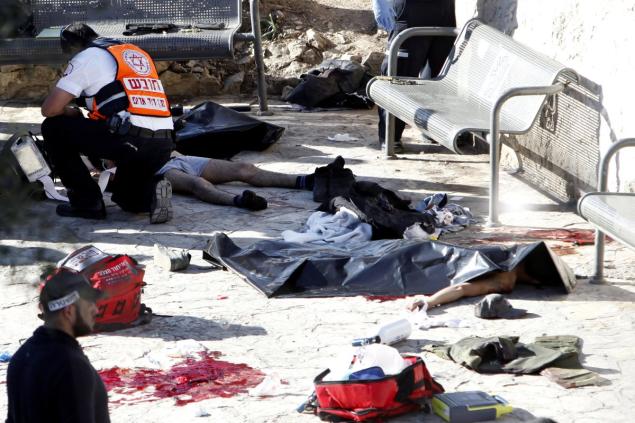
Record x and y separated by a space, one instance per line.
189 381
383 298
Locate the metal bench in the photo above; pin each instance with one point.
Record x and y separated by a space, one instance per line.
492 84
612 213
110 17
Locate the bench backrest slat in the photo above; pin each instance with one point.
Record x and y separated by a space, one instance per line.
488 63
51 13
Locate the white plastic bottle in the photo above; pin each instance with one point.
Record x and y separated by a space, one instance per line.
387 333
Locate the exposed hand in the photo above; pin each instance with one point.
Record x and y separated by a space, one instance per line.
416 305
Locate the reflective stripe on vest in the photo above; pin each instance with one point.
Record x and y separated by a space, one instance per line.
140 82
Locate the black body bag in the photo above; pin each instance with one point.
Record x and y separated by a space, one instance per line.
211 130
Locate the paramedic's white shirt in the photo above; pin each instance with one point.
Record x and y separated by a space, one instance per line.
89 71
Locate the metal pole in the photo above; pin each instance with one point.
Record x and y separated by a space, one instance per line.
603 177
494 142
258 57
393 55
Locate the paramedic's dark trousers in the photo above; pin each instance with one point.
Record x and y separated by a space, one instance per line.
415 52
137 160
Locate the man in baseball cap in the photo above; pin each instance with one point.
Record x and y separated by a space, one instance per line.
49 378
495 306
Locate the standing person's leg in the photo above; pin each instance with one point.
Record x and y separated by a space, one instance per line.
441 46
412 57
400 125
64 139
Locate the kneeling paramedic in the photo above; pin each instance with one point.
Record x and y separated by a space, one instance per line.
129 123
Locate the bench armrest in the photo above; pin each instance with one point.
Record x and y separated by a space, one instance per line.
494 140
428 31
393 54
603 172
598 273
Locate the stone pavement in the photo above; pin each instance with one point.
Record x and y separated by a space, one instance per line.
297 338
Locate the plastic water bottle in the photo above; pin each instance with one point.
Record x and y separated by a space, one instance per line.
388 333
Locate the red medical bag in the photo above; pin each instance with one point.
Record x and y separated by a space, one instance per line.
121 278
372 400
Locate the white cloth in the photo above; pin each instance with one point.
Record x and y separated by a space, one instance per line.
91 69
325 228
422 321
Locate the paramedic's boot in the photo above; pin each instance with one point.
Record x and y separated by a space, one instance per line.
97 212
161 206
171 259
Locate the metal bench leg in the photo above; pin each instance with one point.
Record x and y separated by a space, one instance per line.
598 273
494 141
260 64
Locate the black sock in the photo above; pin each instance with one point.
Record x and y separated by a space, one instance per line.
250 201
305 182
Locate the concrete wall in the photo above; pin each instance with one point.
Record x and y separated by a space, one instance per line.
594 37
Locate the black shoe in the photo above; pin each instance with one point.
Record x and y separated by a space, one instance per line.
161 206
68 210
250 200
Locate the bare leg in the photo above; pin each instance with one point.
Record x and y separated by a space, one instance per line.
221 171
199 187
492 283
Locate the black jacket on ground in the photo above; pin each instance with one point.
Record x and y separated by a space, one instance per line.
51 380
384 210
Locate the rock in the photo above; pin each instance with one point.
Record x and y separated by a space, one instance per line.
296 49
276 64
279 50
312 56
29 83
12 68
210 85
318 40
233 83
277 85
246 60
339 39
177 67
198 69
278 15
296 69
162 66
191 63
372 62
286 90
352 57
170 78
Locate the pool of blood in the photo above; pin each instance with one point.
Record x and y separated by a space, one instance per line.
193 379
